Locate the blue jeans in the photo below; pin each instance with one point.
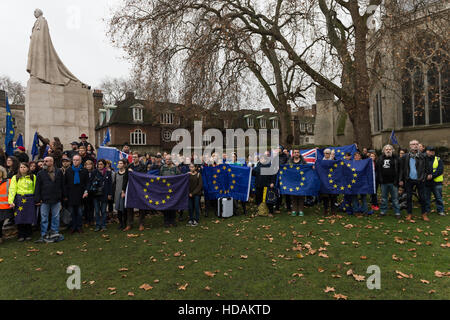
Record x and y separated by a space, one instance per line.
45 211
194 205
436 189
391 189
77 217
355 203
100 213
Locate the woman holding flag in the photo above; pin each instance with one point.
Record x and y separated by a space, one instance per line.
21 199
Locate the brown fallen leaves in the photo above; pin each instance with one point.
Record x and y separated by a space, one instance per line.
425 281
146 287
339 296
130 235
441 274
297 275
209 274
328 289
323 255
244 256
123 269
131 294
59 253
401 275
395 258
183 287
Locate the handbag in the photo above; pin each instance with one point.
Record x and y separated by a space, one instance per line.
272 196
66 217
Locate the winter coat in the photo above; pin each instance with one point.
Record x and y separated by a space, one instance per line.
74 192
49 191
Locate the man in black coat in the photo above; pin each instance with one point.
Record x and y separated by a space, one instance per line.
413 173
75 189
22 156
49 193
387 171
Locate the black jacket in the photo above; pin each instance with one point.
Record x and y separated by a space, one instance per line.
105 181
379 169
421 166
23 157
74 192
49 191
262 181
138 168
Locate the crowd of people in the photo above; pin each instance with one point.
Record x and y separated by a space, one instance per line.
74 186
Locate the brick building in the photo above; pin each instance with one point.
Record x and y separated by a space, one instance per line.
148 125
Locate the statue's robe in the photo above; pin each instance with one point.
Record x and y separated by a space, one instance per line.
43 61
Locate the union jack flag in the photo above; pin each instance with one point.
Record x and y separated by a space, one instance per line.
123 155
309 155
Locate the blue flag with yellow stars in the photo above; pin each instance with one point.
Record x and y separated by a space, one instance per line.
346 176
227 180
111 154
148 192
35 148
339 152
9 136
298 180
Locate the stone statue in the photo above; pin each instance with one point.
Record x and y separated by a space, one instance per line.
43 61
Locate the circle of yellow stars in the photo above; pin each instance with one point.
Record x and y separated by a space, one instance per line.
160 201
233 180
333 182
302 178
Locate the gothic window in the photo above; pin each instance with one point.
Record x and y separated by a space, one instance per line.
167 118
425 90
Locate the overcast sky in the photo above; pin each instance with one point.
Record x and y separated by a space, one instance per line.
78 35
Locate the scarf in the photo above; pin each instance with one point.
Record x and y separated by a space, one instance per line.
414 155
76 178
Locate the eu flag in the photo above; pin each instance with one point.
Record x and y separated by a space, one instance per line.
111 154
339 151
226 180
239 179
19 141
346 177
9 137
298 180
393 138
148 192
106 139
35 148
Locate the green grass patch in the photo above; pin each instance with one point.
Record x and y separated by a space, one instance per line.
246 257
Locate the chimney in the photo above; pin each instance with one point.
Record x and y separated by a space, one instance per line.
98 104
266 110
129 95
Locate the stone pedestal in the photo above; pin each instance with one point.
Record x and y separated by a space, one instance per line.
58 111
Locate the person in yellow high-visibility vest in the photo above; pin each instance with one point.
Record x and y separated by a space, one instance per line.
5 209
434 181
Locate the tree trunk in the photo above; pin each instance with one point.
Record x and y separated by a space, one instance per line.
286 128
362 132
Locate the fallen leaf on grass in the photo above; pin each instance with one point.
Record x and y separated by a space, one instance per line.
297 275
244 256
207 288
130 294
358 277
210 274
349 272
180 240
432 291
339 296
113 292
183 287
59 253
123 269
328 289
33 250
363 258
111 289
395 258
323 255
403 275
320 269
130 235
425 281
347 263
181 267
91 282
177 254
441 274
146 287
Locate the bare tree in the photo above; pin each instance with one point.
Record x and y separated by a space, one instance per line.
115 89
204 51
14 89
209 46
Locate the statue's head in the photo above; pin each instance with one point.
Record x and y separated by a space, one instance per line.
38 13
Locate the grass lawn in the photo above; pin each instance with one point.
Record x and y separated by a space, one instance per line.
245 258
